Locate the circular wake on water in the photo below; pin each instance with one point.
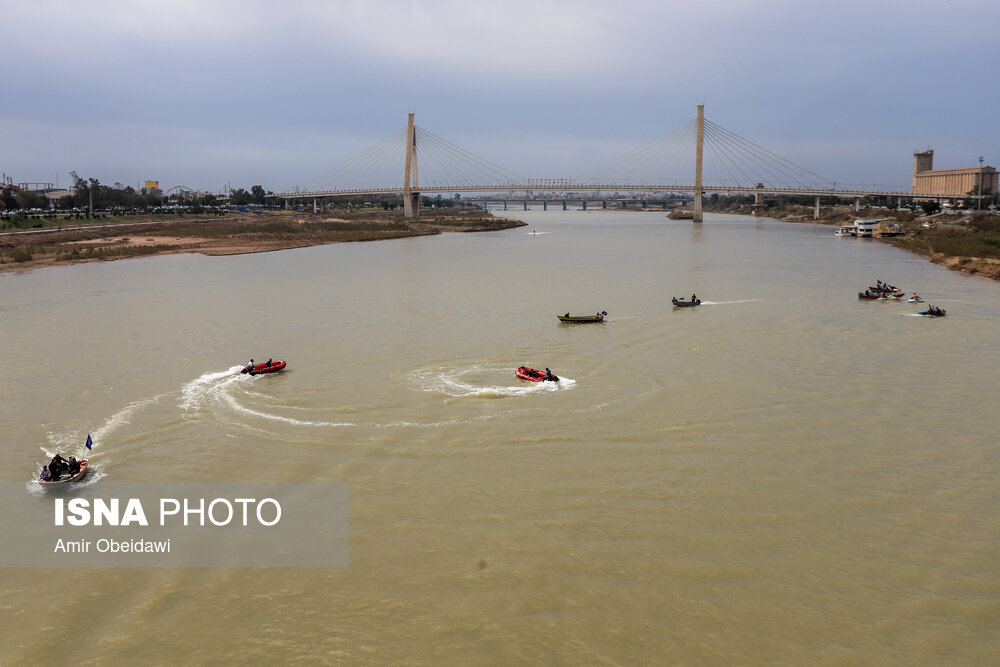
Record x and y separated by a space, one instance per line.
228 395
478 381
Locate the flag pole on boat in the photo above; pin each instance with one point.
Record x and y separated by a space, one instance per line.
88 445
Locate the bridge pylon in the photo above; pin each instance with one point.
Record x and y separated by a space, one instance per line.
699 146
411 193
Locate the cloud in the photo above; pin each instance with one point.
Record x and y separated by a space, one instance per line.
546 85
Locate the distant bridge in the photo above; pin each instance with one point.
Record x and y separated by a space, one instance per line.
738 166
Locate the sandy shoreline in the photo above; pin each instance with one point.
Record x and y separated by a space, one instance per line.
218 237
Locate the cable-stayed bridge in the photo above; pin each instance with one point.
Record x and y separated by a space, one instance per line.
414 161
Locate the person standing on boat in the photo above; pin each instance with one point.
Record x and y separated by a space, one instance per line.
548 374
694 297
57 466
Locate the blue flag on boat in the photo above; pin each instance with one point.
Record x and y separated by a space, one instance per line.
90 443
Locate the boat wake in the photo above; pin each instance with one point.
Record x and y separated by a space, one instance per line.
72 441
122 417
230 392
208 388
480 382
225 389
726 303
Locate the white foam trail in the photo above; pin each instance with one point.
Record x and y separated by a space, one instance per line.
75 440
199 391
121 418
234 405
452 382
723 303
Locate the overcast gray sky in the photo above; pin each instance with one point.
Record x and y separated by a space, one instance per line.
204 93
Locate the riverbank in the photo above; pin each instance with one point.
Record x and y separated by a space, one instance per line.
228 236
965 242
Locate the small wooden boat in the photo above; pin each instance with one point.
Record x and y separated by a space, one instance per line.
599 317
933 312
66 477
684 304
259 369
872 297
534 375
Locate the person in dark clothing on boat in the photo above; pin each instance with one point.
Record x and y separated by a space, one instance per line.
268 364
74 465
694 297
566 315
57 466
548 375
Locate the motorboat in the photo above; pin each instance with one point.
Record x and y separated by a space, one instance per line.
534 375
933 312
888 289
684 304
66 477
599 317
260 369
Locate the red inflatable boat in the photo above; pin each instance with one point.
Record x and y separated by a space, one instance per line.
534 375
258 369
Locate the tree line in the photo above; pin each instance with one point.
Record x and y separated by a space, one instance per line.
117 196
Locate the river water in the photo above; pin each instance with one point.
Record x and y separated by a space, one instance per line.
782 475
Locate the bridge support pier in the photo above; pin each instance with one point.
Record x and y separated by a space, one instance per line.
584 204
411 204
545 206
604 204
525 204
816 211
315 205
505 204
857 204
564 204
287 206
